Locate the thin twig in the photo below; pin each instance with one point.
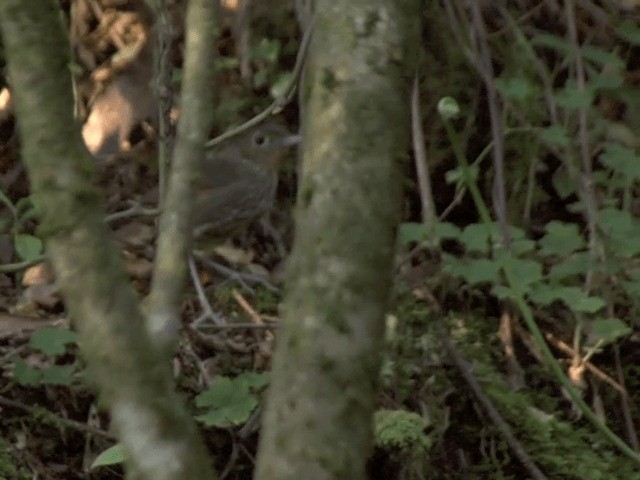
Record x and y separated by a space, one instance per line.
48 416
422 167
632 435
492 411
485 69
279 102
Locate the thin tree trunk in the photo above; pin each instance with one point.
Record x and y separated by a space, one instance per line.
133 376
318 417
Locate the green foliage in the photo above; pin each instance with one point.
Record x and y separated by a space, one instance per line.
27 246
114 455
8 468
401 431
50 341
230 401
28 375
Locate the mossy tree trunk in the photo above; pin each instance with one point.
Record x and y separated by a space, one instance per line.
133 375
355 128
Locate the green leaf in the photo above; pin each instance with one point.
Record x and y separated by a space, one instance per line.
609 329
552 41
630 31
622 160
447 230
573 297
522 246
561 239
252 381
478 271
555 135
401 430
516 88
230 400
562 184
114 455
576 299
623 231
226 63
412 233
602 57
543 294
27 246
577 264
57 375
572 98
26 374
606 80
475 237
51 340
456 175
521 273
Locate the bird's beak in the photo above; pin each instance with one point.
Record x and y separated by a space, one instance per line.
291 140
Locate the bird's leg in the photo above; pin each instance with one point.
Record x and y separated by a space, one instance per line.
243 278
275 235
208 312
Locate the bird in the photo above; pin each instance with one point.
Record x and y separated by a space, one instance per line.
238 181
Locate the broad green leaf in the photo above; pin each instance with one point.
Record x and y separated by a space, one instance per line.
231 402
555 135
552 41
523 245
543 294
609 329
521 273
114 455
456 175
475 237
479 270
27 246
447 230
26 374
503 293
601 56
561 239
621 159
572 98
577 264
516 88
623 231
267 49
573 297
253 381
630 31
51 340
606 80
577 300
412 233
562 184
57 375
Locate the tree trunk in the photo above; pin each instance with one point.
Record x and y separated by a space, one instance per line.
318 418
133 376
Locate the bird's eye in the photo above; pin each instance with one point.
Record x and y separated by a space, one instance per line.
260 140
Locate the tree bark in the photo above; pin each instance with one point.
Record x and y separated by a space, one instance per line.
319 410
134 378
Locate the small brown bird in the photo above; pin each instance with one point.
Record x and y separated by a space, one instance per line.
239 179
